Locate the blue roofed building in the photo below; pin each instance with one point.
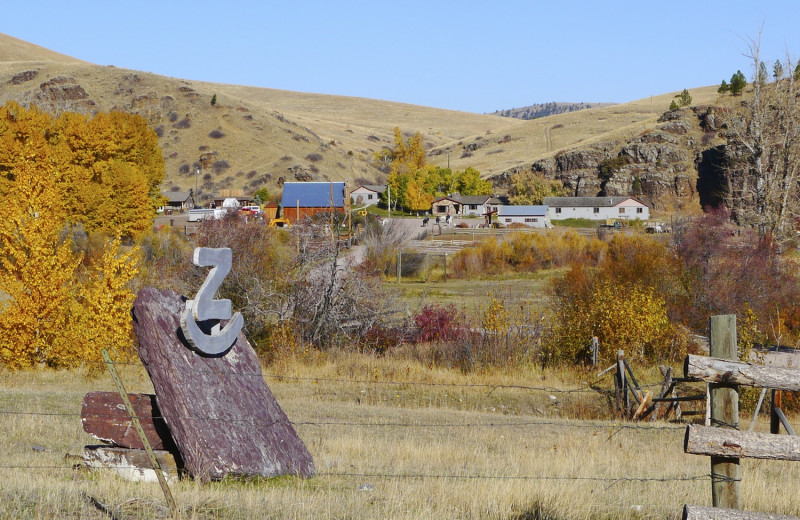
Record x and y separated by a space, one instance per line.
305 199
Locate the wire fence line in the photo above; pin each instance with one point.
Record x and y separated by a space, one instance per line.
587 388
75 462
563 423
421 476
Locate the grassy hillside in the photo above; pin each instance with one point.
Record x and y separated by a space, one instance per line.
253 137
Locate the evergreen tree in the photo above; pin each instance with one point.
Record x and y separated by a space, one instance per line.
213 100
738 83
777 70
724 87
684 99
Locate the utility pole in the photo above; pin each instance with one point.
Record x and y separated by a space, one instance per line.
196 197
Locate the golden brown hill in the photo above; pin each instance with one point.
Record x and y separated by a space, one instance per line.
254 137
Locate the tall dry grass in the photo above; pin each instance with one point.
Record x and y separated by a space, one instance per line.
385 448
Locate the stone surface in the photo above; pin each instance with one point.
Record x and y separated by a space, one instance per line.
220 412
131 464
105 417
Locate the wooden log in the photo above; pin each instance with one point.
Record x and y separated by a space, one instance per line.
131 464
715 370
104 417
724 442
714 513
219 410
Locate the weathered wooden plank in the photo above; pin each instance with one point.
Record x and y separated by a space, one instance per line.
105 418
131 464
724 442
715 513
715 370
219 410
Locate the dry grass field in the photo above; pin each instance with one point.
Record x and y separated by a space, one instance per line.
390 439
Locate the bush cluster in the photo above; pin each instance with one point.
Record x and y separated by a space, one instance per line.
526 252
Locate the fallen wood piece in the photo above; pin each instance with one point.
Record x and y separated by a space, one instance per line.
105 418
715 513
609 369
643 406
726 442
714 370
131 464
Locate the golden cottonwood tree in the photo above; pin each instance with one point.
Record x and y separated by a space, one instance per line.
57 308
38 269
102 317
108 167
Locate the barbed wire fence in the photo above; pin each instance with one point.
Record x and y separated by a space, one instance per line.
11 407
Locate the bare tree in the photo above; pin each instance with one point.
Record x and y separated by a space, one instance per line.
763 153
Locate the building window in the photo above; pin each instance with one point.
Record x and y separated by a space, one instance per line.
639 210
558 210
621 211
369 196
527 219
507 220
473 206
596 211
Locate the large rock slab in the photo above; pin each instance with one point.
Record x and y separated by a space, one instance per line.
219 410
105 417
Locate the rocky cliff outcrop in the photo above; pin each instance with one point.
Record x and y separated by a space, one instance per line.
660 166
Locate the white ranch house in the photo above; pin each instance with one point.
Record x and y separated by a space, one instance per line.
367 195
531 216
596 208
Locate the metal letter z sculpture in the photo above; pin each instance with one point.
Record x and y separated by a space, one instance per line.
204 307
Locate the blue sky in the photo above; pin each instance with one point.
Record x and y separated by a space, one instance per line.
475 56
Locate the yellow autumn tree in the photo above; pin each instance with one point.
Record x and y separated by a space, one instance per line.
102 312
112 172
623 316
109 167
58 308
38 266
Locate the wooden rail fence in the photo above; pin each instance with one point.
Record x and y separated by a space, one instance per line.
722 440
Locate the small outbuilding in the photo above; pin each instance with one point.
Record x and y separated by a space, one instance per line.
367 194
177 201
531 216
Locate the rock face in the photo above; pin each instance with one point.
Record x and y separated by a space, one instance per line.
220 412
665 167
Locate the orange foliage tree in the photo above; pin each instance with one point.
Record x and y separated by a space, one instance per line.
58 306
107 169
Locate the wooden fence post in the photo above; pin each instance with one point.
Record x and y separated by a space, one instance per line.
399 265
725 471
622 380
